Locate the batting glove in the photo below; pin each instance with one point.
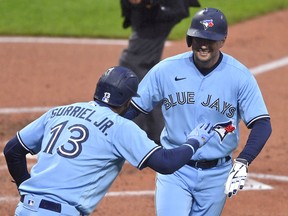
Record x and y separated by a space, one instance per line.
237 177
202 133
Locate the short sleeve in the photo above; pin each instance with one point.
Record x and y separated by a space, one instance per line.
132 143
251 102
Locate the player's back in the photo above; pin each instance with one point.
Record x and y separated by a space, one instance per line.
76 155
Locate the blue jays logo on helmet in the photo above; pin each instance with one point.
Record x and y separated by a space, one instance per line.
207 23
223 129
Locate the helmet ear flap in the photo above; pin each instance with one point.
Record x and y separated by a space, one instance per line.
189 40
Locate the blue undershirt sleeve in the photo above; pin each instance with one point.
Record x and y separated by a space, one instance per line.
132 112
260 132
15 155
167 161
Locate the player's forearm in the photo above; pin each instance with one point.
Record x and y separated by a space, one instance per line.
259 135
167 161
15 156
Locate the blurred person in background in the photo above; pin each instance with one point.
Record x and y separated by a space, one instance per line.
151 21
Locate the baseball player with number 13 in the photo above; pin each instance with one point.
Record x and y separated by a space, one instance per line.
82 147
193 87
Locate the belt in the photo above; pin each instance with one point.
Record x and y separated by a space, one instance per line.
206 164
46 204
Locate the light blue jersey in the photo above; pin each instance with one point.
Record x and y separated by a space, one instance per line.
223 97
81 144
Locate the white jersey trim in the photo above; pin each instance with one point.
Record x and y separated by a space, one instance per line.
147 156
139 108
190 147
21 142
256 118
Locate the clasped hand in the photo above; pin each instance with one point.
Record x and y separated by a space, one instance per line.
202 133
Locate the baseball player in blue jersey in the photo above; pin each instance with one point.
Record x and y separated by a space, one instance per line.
82 147
193 87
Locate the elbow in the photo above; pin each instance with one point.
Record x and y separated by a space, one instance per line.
14 150
6 150
270 129
167 170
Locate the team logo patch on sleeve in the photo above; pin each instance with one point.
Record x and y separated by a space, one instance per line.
223 129
207 23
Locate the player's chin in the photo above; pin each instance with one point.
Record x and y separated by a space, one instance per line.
203 55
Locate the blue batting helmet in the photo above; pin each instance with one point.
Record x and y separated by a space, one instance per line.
116 86
208 23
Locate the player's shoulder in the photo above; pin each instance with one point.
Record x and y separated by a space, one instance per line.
234 65
123 122
173 61
122 127
67 105
179 57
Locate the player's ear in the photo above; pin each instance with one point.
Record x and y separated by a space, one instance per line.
123 109
222 42
128 102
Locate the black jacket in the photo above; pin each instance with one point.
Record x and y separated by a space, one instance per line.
153 12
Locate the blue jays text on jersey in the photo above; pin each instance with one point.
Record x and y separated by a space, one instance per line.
181 98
